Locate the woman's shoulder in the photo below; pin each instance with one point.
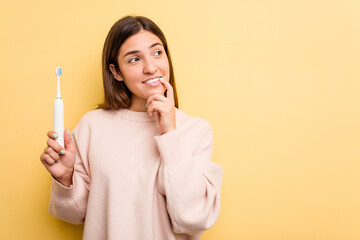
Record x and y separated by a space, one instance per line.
97 115
185 120
93 119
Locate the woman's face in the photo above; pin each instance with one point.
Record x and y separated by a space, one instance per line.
142 61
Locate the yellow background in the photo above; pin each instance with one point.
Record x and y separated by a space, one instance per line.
278 80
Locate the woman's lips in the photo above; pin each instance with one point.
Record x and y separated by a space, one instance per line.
153 81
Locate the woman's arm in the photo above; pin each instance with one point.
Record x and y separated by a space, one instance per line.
188 178
70 203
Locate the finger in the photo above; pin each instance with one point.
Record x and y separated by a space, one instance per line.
157 106
49 151
169 88
52 134
56 146
154 98
67 141
46 159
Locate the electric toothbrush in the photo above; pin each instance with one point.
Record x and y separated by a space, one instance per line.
59 111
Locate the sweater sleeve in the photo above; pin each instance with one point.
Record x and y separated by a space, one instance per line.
188 178
70 203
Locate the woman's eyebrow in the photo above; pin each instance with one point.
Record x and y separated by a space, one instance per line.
155 44
131 52
137 51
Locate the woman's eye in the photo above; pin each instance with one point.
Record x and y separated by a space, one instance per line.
157 53
134 59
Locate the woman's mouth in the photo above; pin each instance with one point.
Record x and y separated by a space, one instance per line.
153 81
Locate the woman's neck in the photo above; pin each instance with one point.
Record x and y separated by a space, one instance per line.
138 105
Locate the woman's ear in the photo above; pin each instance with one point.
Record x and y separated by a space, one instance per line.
117 75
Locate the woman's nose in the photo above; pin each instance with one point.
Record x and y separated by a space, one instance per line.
149 67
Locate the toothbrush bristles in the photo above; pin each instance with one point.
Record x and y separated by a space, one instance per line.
58 71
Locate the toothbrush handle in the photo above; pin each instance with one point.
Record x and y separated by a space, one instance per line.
59 120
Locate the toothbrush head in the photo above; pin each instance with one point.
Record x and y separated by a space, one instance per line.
58 71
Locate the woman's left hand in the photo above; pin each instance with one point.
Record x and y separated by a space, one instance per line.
165 108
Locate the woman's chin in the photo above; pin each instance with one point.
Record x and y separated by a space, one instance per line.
159 90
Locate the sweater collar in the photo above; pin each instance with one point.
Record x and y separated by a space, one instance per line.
137 116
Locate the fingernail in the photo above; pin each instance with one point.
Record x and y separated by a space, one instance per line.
146 105
55 135
62 152
68 131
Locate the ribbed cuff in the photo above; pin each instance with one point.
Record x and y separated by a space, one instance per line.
61 190
170 147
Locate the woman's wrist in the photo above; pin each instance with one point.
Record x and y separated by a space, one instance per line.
66 179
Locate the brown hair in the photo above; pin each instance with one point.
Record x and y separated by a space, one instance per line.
117 95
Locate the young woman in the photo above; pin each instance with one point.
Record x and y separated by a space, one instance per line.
137 167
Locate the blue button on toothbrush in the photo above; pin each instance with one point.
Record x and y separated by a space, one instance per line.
59 111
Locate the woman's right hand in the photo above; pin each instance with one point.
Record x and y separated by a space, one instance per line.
59 161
